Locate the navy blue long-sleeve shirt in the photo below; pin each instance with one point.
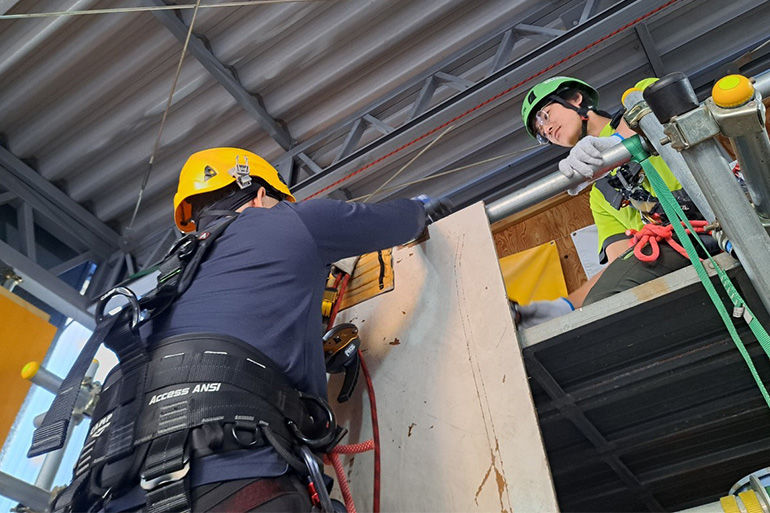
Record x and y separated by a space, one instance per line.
263 282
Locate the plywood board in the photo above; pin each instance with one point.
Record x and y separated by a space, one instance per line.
553 220
457 422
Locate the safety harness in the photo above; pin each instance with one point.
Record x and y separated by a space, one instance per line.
185 397
623 187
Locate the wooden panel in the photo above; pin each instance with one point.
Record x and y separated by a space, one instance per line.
371 277
555 220
457 423
25 335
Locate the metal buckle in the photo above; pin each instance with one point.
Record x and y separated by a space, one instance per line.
324 441
636 113
162 479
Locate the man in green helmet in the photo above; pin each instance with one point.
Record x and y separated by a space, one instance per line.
564 111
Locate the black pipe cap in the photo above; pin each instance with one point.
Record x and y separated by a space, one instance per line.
670 96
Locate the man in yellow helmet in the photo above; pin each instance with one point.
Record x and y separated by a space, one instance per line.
564 111
235 393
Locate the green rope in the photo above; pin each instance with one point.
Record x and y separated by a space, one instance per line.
675 214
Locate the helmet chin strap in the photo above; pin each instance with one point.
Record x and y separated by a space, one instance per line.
583 113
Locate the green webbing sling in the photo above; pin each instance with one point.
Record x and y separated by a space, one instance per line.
675 214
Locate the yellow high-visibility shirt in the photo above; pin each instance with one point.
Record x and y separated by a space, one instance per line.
612 223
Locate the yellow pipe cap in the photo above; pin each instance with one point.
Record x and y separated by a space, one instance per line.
628 91
642 84
29 370
732 91
639 86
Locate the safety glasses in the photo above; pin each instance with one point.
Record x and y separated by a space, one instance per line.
541 120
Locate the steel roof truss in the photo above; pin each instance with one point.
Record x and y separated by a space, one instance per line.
377 124
73 262
309 163
360 126
250 102
5 197
161 248
504 42
463 101
352 140
588 11
524 29
504 50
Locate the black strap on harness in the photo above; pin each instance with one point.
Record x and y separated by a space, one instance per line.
143 422
120 332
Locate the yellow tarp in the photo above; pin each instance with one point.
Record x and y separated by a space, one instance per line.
534 274
25 336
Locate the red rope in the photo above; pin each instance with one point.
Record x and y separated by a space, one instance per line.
333 459
365 446
497 96
354 448
652 234
375 433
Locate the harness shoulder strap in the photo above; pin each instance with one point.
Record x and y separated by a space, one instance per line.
180 266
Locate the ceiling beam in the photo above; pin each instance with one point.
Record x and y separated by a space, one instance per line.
46 198
648 45
249 102
47 287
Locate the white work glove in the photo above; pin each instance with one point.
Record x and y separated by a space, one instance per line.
586 155
574 191
346 265
538 312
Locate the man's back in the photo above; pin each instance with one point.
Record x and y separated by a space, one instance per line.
263 283
264 278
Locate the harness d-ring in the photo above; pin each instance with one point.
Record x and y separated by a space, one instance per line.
119 291
328 438
255 441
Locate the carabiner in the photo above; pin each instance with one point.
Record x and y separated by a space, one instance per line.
133 301
317 480
323 442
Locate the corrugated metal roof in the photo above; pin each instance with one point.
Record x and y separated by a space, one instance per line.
84 95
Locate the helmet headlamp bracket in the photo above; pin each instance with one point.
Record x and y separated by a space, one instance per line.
241 173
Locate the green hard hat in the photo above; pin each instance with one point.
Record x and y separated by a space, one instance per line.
542 92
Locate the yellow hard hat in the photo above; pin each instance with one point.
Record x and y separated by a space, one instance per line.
215 168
